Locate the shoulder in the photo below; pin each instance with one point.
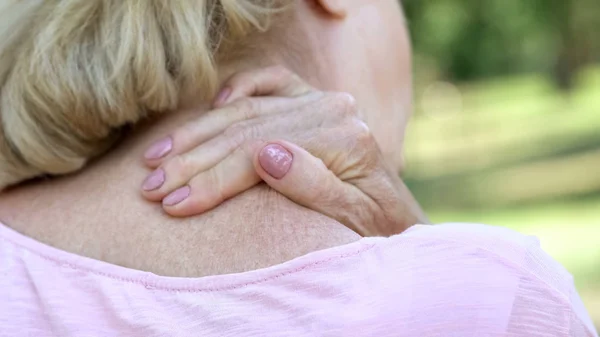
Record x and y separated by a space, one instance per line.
492 275
506 250
491 242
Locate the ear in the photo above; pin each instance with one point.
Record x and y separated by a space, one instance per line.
336 8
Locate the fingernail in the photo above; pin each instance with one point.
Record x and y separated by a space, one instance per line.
177 196
159 149
222 96
275 160
154 180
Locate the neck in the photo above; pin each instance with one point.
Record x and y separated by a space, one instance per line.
99 213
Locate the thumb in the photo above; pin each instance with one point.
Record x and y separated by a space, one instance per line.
306 180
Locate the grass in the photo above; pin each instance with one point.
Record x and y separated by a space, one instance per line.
519 154
535 122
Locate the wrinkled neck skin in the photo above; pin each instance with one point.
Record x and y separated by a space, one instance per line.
99 213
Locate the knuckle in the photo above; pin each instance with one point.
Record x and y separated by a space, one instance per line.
248 148
235 134
346 102
364 146
342 104
361 132
251 131
178 166
247 108
244 105
238 133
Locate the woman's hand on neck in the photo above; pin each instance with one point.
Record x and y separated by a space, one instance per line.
99 213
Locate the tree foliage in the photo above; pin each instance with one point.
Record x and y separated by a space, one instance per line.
472 39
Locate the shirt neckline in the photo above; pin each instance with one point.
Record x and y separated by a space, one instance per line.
224 282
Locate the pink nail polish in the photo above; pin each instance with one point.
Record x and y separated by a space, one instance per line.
154 180
275 160
159 149
177 196
222 96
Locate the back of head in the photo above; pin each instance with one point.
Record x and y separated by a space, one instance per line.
75 73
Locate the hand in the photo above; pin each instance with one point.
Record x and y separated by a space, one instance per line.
309 145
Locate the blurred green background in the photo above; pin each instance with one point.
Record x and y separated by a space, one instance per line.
506 128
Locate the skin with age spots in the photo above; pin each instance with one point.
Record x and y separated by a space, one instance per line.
340 172
99 213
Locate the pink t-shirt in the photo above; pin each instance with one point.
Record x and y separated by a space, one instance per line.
447 280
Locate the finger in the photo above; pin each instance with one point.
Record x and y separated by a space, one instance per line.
232 176
214 122
304 125
178 170
273 81
306 180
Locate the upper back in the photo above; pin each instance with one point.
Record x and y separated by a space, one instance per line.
112 223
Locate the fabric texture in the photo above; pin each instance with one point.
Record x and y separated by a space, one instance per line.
446 280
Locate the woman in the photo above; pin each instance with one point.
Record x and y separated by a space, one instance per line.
84 252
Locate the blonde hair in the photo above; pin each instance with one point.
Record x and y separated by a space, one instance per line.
73 73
